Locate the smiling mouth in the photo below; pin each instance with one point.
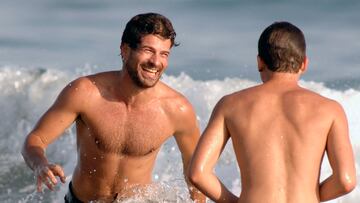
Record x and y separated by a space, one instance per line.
150 73
150 70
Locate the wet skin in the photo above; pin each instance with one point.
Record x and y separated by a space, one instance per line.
280 132
122 119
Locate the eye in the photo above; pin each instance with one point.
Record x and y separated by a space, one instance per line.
165 54
147 50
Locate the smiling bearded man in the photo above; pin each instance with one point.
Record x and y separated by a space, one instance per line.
122 119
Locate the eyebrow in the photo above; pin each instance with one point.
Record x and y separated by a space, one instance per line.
152 48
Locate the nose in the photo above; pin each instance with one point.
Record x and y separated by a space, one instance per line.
155 60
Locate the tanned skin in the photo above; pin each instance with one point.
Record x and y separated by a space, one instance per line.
121 125
280 133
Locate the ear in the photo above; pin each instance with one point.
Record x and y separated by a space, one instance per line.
124 51
304 65
261 64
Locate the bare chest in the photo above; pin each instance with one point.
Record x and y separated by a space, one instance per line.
135 133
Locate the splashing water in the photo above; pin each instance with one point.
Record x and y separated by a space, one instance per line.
27 92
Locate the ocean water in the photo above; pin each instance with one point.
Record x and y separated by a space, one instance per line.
46 44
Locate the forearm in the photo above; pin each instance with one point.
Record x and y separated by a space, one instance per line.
33 152
212 187
332 188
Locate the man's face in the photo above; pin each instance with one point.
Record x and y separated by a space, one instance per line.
148 61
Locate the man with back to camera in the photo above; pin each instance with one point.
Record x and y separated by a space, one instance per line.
280 132
122 119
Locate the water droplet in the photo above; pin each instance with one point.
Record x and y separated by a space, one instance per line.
126 180
156 177
94 158
347 178
16 84
70 85
182 108
172 148
94 170
97 141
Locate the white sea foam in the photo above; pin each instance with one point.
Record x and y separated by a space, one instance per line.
27 92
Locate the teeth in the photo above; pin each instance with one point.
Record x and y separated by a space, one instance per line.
150 70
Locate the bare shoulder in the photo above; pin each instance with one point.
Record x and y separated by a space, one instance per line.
94 83
320 101
236 99
245 94
80 87
176 104
83 89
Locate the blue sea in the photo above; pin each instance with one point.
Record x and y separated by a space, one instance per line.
46 44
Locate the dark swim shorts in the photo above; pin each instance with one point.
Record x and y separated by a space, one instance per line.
70 196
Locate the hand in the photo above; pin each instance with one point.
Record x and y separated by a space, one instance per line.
46 174
196 195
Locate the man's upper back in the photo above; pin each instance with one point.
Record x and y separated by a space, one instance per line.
279 133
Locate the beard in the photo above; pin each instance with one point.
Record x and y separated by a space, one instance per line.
140 81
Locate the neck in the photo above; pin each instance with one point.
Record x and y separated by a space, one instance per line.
275 77
132 94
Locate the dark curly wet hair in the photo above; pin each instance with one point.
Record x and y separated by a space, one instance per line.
147 23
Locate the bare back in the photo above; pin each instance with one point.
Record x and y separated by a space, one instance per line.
279 136
280 132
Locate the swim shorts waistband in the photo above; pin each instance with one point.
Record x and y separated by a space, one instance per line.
70 196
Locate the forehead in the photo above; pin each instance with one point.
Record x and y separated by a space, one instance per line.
156 42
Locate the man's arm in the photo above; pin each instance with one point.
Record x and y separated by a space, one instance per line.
209 148
187 136
341 159
50 126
